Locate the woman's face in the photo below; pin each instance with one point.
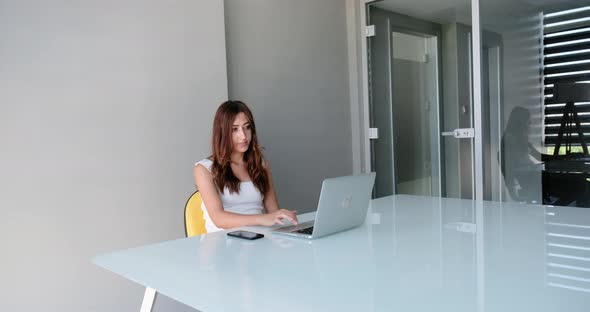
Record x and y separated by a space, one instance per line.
241 133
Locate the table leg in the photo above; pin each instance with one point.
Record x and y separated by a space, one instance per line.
148 300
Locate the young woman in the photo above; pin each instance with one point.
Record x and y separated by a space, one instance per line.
235 182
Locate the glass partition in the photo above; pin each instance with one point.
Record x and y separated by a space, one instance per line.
535 74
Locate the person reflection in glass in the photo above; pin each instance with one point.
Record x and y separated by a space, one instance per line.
520 159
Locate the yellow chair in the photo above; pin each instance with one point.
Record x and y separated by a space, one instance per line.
194 223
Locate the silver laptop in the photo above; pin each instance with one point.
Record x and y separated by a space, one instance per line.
343 205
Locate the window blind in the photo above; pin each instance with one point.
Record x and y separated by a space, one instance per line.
566 50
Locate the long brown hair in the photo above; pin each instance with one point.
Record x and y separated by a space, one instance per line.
222 146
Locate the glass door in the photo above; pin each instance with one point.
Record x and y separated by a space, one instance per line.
420 98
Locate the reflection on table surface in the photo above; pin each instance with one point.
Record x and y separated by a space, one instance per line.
412 254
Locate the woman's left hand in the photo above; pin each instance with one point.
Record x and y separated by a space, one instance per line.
278 216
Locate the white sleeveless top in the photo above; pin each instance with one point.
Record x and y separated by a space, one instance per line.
248 201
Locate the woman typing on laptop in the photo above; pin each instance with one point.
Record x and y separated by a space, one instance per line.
235 182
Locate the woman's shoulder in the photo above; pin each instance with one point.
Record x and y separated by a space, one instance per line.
207 163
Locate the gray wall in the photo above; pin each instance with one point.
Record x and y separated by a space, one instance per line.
104 106
288 60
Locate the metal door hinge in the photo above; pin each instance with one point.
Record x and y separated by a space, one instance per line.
370 31
373 133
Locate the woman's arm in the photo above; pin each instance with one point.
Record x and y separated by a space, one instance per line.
538 155
224 219
271 204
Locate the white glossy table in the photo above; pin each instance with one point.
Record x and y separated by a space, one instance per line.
412 254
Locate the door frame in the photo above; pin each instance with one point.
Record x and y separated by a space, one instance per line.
414 26
478 163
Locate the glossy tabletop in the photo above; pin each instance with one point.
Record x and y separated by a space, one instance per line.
412 254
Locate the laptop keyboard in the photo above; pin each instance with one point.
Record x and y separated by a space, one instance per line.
308 230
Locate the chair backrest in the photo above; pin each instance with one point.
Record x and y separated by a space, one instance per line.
194 223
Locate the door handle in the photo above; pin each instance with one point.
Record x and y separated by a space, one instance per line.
460 133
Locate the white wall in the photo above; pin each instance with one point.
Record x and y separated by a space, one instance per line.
288 60
104 107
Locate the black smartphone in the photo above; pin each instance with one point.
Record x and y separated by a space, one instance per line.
245 235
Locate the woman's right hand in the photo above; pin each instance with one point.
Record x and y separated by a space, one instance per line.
277 217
